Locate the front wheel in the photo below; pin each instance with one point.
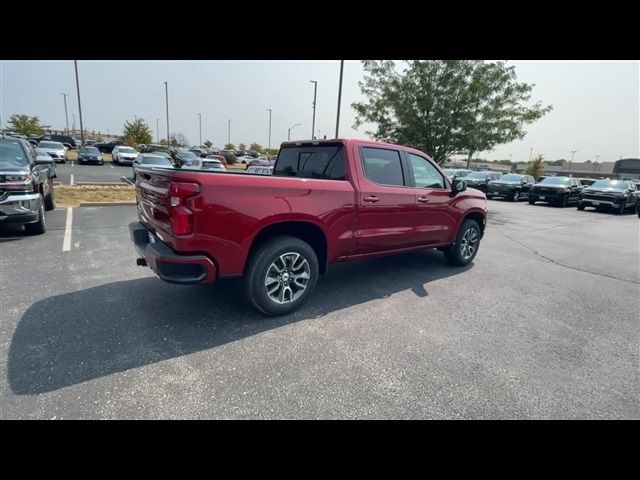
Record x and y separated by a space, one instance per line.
489 197
515 196
580 207
39 227
565 201
49 200
464 249
280 275
532 202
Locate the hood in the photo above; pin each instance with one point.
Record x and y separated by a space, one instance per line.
15 170
603 190
557 187
502 182
54 150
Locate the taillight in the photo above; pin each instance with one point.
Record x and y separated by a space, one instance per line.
181 215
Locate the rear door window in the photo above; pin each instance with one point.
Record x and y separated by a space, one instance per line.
382 166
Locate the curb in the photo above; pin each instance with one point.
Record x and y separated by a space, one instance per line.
105 204
120 183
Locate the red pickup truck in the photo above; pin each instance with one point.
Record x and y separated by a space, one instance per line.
327 201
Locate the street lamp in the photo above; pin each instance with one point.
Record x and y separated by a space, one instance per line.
75 63
530 153
66 116
157 130
595 165
289 132
315 92
200 124
229 138
269 128
573 152
166 91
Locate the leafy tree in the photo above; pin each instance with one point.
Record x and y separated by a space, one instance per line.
230 146
163 141
255 147
536 167
270 151
230 157
445 107
208 143
136 132
242 146
26 125
178 139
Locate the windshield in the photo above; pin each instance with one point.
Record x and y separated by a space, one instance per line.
511 178
41 151
11 154
51 145
213 164
187 155
156 161
477 175
126 150
90 150
615 184
556 181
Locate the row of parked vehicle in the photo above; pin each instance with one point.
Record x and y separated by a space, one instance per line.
618 195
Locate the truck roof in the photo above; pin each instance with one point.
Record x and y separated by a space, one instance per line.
346 141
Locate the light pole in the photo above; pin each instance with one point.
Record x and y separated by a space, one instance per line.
595 165
200 124
75 63
289 132
269 128
229 138
573 152
339 98
530 153
157 130
73 126
66 116
166 92
313 123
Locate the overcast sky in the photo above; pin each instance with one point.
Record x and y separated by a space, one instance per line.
596 105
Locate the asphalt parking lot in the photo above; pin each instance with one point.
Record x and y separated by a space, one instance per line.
71 173
543 324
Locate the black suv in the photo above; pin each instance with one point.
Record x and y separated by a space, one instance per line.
560 191
511 186
480 180
619 195
107 147
68 141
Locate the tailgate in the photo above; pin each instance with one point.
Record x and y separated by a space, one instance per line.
152 195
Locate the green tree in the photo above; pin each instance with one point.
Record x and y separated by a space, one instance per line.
536 167
208 143
26 125
270 151
163 141
445 107
136 132
230 146
255 147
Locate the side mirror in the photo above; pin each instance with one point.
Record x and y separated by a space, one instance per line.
457 186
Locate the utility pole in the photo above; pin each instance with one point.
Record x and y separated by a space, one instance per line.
75 63
229 138
200 123
166 91
313 123
157 130
66 116
289 132
595 165
530 153
573 152
269 128
339 98
73 127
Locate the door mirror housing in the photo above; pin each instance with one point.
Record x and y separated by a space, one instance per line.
458 185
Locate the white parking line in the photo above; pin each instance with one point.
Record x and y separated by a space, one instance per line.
71 179
125 179
109 163
66 243
72 163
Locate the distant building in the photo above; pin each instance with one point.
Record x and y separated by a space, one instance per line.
624 168
480 166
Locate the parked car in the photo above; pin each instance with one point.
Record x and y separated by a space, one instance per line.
245 159
87 155
26 185
68 141
198 152
219 158
260 170
588 181
42 157
480 180
55 149
343 202
184 155
123 155
560 191
512 187
107 147
151 160
205 164
618 195
457 172
539 179
262 161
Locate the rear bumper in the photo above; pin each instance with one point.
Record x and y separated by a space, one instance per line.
170 266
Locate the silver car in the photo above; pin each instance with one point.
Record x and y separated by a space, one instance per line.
55 149
123 155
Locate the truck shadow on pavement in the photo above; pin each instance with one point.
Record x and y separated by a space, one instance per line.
83 335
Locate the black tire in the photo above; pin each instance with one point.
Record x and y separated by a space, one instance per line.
515 196
489 197
622 208
580 207
49 200
260 262
39 227
454 252
532 202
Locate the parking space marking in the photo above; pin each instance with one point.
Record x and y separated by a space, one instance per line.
71 179
72 163
66 244
125 179
109 163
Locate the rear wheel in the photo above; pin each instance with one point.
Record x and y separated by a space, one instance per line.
464 249
489 197
532 202
39 227
49 200
515 196
580 207
565 201
622 208
280 275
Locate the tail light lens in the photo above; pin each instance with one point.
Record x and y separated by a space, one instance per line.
181 214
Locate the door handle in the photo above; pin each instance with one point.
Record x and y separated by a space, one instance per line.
423 199
371 199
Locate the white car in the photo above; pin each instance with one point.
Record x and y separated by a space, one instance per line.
245 159
206 164
123 155
55 149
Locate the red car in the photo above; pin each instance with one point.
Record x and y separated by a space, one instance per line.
327 201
